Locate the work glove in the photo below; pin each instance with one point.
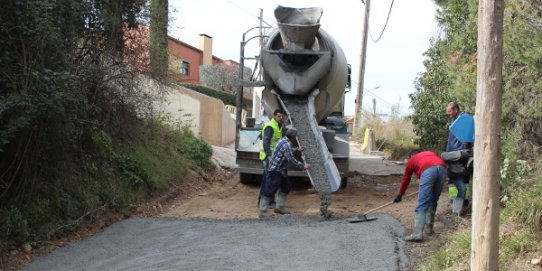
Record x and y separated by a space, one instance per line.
398 199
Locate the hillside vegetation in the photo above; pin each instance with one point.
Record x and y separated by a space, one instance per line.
451 76
77 139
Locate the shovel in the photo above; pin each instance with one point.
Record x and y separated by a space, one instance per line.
363 217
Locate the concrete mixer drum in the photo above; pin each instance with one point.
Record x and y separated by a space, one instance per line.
305 73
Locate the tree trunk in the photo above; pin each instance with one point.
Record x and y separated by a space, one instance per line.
158 39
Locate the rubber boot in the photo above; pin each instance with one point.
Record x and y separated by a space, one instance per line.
264 204
279 209
272 204
430 222
457 206
419 223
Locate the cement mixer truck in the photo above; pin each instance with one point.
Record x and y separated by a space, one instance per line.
304 72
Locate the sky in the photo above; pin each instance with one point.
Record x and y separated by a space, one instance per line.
392 63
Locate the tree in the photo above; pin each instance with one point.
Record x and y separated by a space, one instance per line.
429 101
59 61
158 38
450 72
222 76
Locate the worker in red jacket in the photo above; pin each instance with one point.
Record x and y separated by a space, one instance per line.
430 170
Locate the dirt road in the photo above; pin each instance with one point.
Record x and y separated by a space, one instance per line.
372 182
214 226
231 199
210 223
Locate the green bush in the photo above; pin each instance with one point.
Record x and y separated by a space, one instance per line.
197 150
132 170
513 173
400 149
13 225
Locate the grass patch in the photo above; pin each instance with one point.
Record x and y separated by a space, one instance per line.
513 245
452 255
519 228
400 149
394 136
525 206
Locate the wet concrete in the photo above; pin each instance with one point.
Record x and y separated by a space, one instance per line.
287 242
316 153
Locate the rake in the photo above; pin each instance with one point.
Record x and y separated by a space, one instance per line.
363 217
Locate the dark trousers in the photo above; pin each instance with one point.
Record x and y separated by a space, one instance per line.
262 183
273 182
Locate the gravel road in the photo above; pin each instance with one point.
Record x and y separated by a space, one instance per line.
287 242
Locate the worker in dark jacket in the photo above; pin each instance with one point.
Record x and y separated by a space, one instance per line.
276 173
271 133
457 184
430 169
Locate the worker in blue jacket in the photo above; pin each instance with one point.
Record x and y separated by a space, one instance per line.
454 144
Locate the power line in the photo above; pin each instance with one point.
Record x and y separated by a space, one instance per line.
250 13
386 102
374 95
386 24
370 92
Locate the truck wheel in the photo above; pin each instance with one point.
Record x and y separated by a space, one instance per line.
344 182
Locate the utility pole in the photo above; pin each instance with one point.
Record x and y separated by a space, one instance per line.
486 190
359 96
260 19
255 98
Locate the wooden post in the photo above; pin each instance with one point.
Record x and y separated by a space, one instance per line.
486 190
361 75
